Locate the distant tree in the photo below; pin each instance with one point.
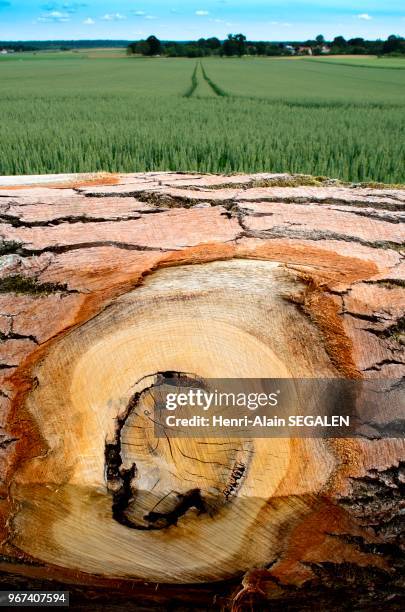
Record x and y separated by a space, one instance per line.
131 49
320 39
356 42
228 47
193 50
173 50
235 44
260 48
142 47
213 43
375 47
154 46
358 46
394 44
339 41
273 50
241 44
150 46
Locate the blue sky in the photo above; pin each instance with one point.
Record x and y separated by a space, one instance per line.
189 19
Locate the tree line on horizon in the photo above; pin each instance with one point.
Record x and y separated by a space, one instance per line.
233 45
237 45
60 45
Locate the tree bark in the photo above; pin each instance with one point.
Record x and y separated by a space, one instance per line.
104 286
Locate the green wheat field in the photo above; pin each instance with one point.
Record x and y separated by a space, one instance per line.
93 111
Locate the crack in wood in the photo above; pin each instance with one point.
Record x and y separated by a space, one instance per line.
15 221
318 235
23 251
120 479
377 366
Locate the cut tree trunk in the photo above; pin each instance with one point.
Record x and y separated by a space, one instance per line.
104 285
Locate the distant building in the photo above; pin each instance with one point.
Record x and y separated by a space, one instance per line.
304 51
325 49
3 52
290 49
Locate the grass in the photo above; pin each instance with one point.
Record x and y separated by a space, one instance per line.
73 112
395 63
194 83
309 81
215 89
205 88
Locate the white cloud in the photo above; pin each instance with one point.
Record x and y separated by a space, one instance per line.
284 24
113 17
201 13
364 16
89 21
54 17
144 15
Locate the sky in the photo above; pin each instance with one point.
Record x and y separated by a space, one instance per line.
190 19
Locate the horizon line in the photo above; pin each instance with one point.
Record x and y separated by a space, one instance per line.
183 40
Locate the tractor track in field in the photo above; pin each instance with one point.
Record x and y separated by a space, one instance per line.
218 91
194 83
202 86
